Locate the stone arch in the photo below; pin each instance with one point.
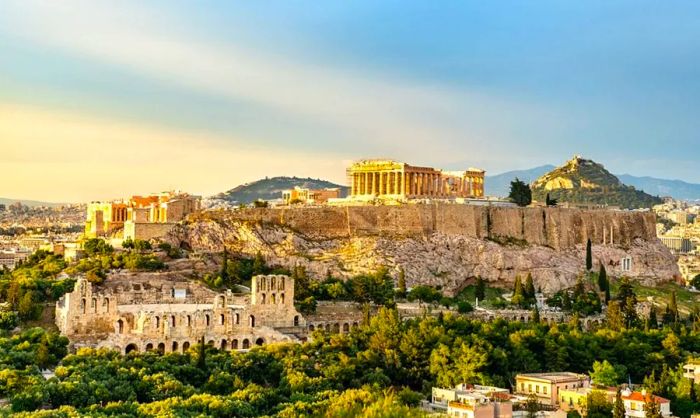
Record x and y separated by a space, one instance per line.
346 327
174 350
296 318
262 298
311 328
224 345
237 318
251 321
273 299
156 323
131 347
282 298
172 321
120 327
260 341
234 344
222 319
185 346
83 305
328 327
207 320
222 301
189 320
354 324
522 318
161 348
93 305
336 328
149 347
105 304
210 343
246 344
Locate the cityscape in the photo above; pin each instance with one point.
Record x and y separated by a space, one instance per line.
362 209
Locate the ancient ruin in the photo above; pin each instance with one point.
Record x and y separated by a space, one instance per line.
144 312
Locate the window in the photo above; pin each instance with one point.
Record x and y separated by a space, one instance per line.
529 387
206 320
544 389
537 388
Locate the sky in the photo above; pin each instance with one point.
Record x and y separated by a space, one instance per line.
103 99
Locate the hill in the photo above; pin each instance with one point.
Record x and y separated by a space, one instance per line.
30 203
272 187
499 184
677 189
584 181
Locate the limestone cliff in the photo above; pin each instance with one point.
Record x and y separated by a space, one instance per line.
438 244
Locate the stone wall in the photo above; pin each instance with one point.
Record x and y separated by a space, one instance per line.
558 228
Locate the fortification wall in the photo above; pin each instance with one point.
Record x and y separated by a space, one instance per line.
558 228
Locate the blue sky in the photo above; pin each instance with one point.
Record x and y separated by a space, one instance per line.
206 95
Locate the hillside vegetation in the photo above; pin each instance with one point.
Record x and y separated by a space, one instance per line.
272 187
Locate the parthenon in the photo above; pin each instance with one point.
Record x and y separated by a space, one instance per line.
397 180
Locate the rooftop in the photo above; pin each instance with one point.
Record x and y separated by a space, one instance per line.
554 377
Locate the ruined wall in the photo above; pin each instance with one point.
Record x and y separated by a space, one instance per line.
558 228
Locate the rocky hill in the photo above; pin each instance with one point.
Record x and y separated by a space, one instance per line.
271 188
443 245
584 181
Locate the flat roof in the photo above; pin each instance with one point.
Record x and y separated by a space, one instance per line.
553 377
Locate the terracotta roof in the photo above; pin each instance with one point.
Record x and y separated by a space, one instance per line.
637 396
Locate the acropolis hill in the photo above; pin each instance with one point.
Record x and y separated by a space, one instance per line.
439 243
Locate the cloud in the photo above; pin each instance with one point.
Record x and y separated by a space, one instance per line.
60 156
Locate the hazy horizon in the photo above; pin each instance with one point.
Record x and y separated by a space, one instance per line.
105 99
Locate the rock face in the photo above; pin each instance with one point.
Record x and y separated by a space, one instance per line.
439 244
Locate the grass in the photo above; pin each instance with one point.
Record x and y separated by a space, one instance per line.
494 296
661 294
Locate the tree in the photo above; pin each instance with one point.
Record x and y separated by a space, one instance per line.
529 291
619 405
536 315
695 281
550 201
652 408
224 267
532 406
603 284
518 296
604 374
589 255
401 292
614 316
520 193
653 321
480 291
258 264
671 316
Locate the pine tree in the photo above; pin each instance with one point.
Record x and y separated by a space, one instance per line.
589 255
618 406
536 315
402 284
529 291
480 291
603 279
520 193
224 267
518 297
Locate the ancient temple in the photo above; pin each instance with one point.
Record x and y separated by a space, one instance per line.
398 180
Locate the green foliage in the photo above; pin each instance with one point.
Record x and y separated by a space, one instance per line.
96 246
401 291
520 193
589 255
464 307
604 374
480 292
695 281
424 294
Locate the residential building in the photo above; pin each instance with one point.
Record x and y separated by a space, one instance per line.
472 401
635 401
546 386
304 195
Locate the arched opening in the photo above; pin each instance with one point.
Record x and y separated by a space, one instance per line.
237 319
149 347
354 324
94 305
522 319
296 319
346 327
174 346
157 322
210 343
105 304
222 319
246 344
336 328
189 320
259 341
328 327
273 299
311 328
131 347
172 321
282 298
83 305
234 344
224 345
262 299
185 346
222 301
120 327
252 321
207 320
161 348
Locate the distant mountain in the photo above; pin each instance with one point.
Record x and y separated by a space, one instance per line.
499 184
271 188
31 203
677 189
584 181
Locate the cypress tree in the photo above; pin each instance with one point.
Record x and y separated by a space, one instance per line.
536 315
529 291
224 267
653 321
518 297
673 307
480 291
602 278
618 406
589 255
402 284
